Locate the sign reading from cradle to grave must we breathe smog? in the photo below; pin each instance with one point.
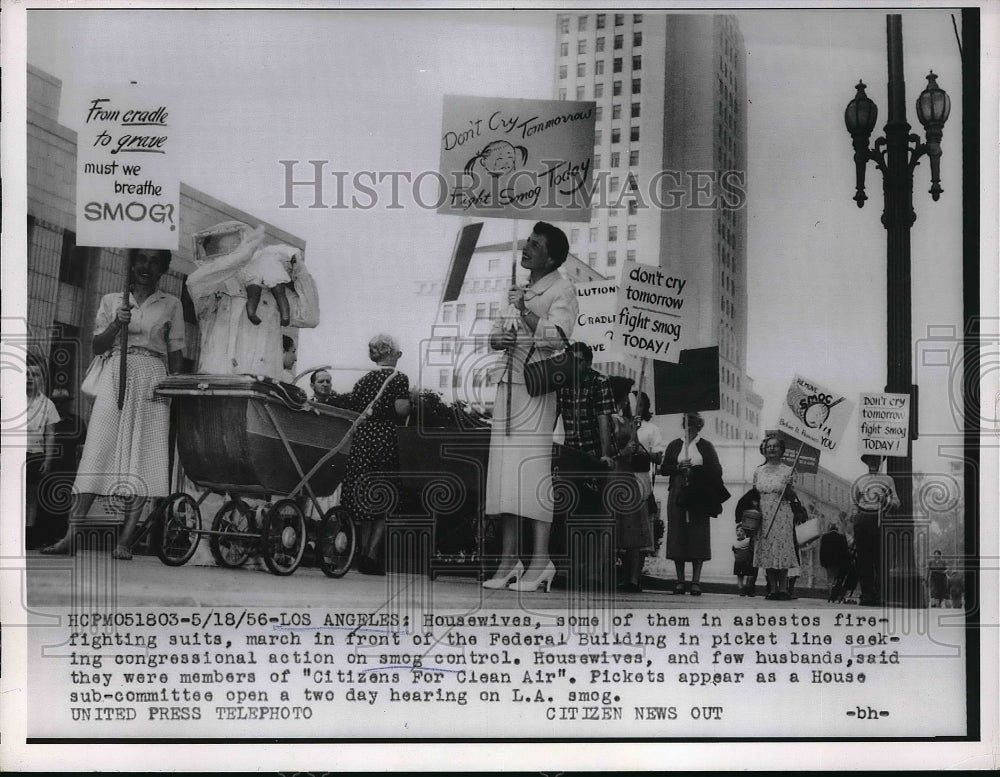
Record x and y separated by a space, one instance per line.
520 159
127 184
657 312
596 318
884 424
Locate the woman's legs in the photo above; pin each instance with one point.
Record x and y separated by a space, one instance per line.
67 545
509 540
679 566
123 549
634 562
539 549
696 572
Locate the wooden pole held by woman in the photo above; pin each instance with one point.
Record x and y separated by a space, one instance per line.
123 369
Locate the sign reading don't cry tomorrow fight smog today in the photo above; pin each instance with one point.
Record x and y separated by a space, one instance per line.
517 159
127 179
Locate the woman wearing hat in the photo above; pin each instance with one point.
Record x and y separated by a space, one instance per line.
695 495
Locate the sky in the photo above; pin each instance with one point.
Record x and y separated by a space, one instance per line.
363 90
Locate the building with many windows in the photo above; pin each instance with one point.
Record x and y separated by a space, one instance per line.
670 169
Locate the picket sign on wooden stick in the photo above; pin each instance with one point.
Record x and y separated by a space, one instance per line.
510 351
123 367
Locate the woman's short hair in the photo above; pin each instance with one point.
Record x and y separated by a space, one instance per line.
163 255
695 419
620 387
287 343
555 241
383 346
766 440
644 406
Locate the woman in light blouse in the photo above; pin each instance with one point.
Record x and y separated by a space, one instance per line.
127 451
518 481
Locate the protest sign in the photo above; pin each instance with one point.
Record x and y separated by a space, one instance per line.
799 455
814 414
884 424
127 180
657 313
595 321
509 158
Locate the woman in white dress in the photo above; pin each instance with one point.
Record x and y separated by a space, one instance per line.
775 548
518 481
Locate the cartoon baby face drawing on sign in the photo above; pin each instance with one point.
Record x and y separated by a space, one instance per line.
498 158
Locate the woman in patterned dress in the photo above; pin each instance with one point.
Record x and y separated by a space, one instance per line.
374 458
127 453
775 548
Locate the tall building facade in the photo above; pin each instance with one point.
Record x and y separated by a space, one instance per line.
670 169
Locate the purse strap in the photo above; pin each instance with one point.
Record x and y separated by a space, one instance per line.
531 350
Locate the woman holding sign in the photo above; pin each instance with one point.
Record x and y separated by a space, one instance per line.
126 454
518 482
775 548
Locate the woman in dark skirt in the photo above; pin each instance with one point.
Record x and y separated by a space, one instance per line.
695 495
374 458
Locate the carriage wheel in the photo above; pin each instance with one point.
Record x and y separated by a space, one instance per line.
284 536
233 517
337 542
178 532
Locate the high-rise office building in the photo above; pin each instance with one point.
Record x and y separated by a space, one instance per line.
670 169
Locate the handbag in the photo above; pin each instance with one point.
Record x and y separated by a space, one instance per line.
547 375
807 531
92 380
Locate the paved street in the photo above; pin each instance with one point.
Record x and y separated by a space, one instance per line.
145 581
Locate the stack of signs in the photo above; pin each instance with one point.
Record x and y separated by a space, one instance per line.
814 415
884 424
127 181
657 315
508 158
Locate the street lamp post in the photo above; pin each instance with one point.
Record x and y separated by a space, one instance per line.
894 155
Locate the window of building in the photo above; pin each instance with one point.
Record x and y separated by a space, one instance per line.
599 45
592 258
633 207
597 141
493 264
581 92
637 18
616 134
581 46
460 312
633 157
562 72
597 161
446 345
598 90
636 38
599 113
636 85
456 379
480 310
614 183
477 378
618 41
593 234
616 111
637 62
564 49
73 261
600 20
494 309
562 94
630 254
574 235
612 259
616 65
616 88
612 233
619 19
581 23
633 133
442 378
599 67
632 230
615 159
581 70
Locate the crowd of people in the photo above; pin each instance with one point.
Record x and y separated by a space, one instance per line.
125 453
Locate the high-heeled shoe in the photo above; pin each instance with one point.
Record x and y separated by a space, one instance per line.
543 579
511 577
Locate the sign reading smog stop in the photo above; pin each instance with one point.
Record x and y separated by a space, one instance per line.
884 424
657 313
127 181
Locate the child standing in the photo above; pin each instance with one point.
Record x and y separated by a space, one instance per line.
743 568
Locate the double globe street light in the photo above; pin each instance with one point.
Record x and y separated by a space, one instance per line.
896 154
